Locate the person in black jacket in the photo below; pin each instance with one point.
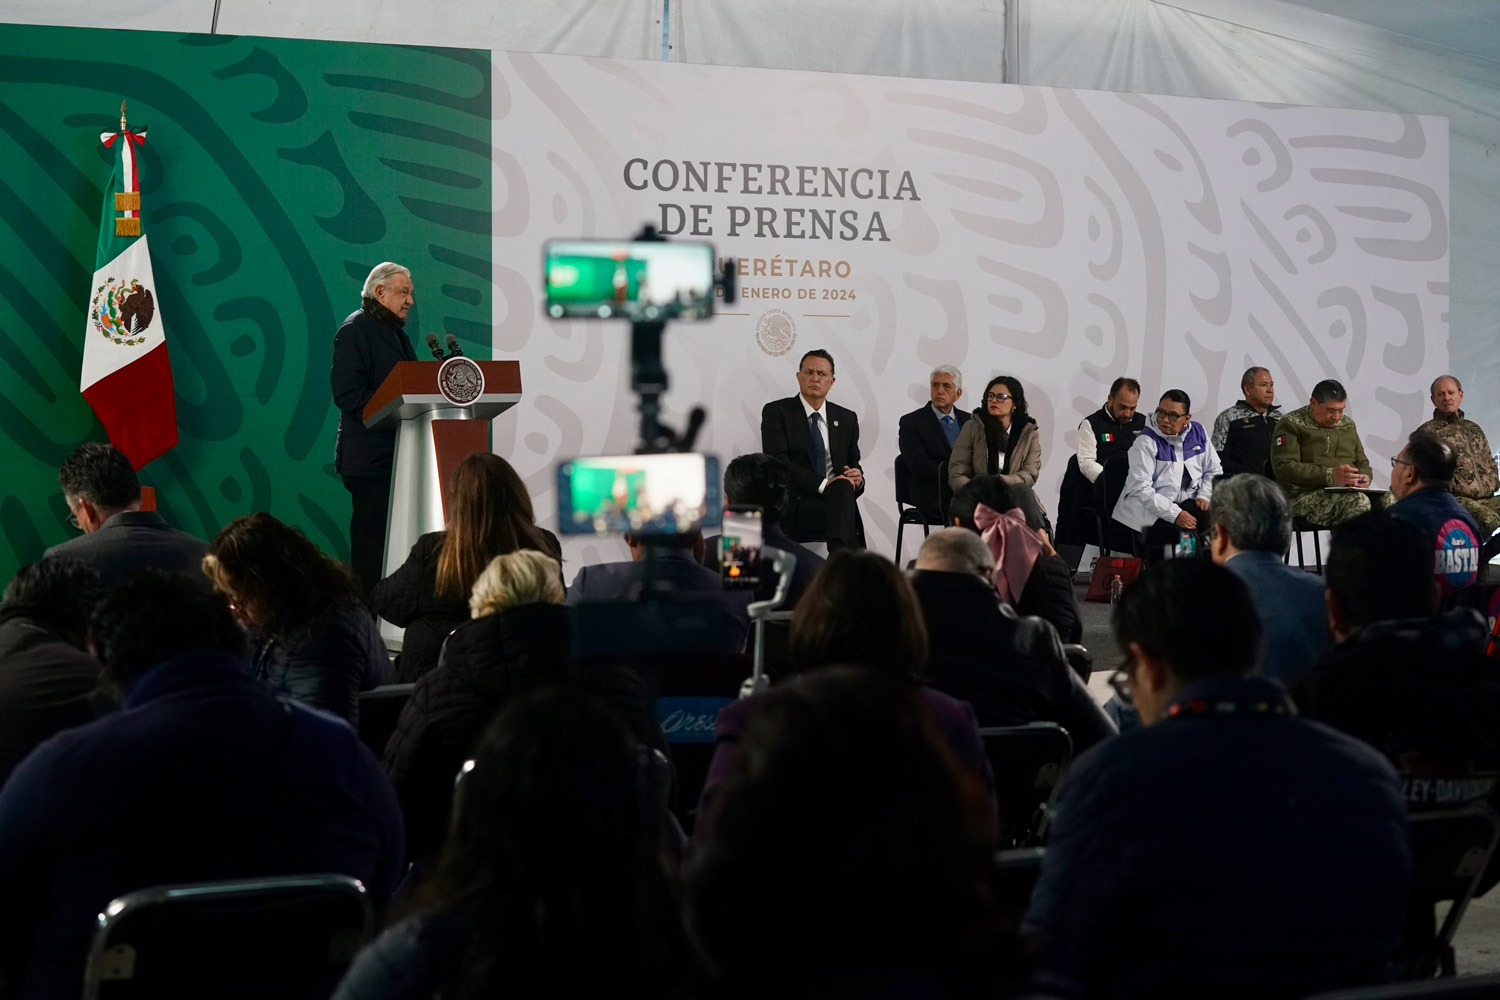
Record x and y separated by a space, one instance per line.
311 637
1010 669
925 436
48 681
367 346
489 514
1048 592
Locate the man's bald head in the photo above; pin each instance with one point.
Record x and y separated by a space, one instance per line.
956 550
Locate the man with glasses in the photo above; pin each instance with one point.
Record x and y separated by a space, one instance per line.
1171 478
104 500
1316 447
1422 488
1274 849
818 442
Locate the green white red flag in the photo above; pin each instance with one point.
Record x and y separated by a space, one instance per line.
127 376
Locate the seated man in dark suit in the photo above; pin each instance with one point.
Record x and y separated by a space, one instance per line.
818 443
202 775
675 566
925 437
1010 669
48 681
758 480
1227 848
104 497
1251 531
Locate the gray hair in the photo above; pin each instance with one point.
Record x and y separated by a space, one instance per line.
1254 512
958 376
956 550
380 274
1249 377
1435 382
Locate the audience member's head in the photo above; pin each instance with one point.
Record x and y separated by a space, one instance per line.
1328 402
1379 569
550 856
1250 514
156 616
1124 397
758 480
274 577
847 831
956 550
1425 461
860 610
1447 393
59 594
1011 409
98 482
1173 412
691 542
996 494
489 514
521 577
1180 622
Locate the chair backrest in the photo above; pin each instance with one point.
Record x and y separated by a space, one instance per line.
903 484
1080 659
379 711
1467 988
1028 762
1110 484
1450 849
290 937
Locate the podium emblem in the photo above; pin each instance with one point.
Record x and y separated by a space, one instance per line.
460 381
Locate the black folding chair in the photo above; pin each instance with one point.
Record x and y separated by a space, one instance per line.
1029 762
1108 534
1300 527
1080 659
290 937
1450 849
379 711
907 512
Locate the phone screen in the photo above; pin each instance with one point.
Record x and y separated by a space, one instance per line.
668 494
653 281
740 547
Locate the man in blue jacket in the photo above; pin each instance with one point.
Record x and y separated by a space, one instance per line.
1422 487
202 775
1227 849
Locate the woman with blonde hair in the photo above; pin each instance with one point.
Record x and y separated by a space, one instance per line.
311 637
489 514
517 642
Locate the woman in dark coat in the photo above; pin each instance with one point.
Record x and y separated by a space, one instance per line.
1003 439
312 638
489 515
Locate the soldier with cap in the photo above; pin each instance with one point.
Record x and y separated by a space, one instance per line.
1315 447
1476 479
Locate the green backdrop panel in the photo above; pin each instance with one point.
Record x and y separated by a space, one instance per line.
276 173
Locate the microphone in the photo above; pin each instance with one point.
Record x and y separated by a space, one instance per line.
454 351
432 345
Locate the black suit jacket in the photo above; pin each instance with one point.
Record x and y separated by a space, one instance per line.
134 540
784 434
364 352
924 446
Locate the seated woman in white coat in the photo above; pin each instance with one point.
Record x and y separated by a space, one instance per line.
1171 479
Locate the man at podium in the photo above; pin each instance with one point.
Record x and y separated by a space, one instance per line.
365 349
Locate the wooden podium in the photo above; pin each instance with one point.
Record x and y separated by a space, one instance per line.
441 412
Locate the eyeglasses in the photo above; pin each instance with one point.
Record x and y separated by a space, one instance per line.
997 397
1119 681
1398 461
72 517
1169 415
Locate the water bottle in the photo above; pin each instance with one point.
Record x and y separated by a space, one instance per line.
1116 588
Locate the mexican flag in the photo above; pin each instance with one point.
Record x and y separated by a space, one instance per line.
127 377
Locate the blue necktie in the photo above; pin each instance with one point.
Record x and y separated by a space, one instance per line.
950 429
819 454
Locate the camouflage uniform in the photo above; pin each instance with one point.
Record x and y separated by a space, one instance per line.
1476 481
1303 457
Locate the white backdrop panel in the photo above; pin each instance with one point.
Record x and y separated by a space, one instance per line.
1065 237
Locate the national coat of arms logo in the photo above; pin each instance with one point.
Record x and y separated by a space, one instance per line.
775 332
460 380
121 310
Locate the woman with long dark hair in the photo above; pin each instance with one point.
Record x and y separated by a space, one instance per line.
489 515
1003 441
551 882
312 638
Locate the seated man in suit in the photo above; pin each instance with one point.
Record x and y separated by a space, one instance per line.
676 567
1010 669
104 497
1252 528
926 435
759 480
818 443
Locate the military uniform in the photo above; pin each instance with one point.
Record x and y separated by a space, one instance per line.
1303 457
1476 479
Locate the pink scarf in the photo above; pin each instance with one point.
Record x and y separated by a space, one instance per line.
1014 546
